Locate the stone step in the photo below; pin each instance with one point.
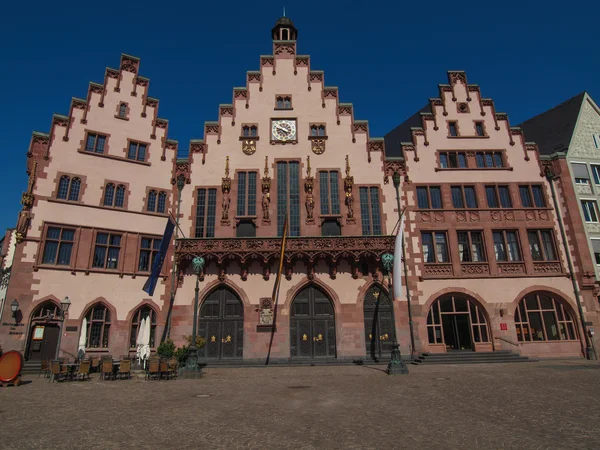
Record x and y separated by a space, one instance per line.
498 357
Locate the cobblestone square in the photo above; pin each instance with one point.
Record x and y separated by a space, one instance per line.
549 404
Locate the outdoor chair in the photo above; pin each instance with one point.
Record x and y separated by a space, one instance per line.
95 364
84 370
153 368
107 369
125 368
58 371
44 368
164 369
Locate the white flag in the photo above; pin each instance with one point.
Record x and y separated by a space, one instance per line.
397 274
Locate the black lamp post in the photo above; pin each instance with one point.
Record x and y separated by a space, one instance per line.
191 368
64 305
14 307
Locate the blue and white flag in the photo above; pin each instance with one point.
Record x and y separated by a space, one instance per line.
160 258
397 274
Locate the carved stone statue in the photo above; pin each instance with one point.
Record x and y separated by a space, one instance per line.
266 200
310 204
350 204
226 202
23 224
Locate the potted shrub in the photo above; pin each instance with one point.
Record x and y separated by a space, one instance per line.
166 349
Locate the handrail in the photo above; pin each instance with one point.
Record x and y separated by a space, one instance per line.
516 344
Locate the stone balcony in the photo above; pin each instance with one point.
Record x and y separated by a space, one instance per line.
266 251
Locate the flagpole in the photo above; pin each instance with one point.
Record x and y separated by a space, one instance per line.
396 180
275 294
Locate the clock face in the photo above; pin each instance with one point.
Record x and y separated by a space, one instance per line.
283 130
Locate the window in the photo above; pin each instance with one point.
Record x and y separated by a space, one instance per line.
532 195
123 110
506 246
596 173
580 173
68 188
369 210
149 248
498 197
429 197
106 251
284 102
596 249
58 246
98 326
590 210
288 196
453 160
453 129
246 198
450 306
596 138
435 247
157 201
205 213
479 129
329 192
114 196
249 131
541 317
331 227
245 228
489 159
95 143
137 151
470 246
463 195
317 130
541 245
145 313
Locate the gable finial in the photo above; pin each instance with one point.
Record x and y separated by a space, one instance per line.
284 11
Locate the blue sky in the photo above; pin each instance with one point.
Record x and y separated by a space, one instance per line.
386 57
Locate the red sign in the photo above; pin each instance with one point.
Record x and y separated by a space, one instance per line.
503 326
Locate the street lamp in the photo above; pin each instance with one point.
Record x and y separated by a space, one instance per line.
192 362
14 307
64 305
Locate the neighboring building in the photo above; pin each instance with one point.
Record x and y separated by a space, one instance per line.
487 268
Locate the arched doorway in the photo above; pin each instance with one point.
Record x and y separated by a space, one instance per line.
222 325
380 331
44 331
457 322
312 325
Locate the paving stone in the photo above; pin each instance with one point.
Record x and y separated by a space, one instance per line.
549 404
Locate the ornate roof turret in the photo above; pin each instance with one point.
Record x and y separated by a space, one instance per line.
284 30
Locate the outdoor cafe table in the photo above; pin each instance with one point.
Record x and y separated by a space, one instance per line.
72 367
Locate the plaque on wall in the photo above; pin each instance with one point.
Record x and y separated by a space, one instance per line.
265 314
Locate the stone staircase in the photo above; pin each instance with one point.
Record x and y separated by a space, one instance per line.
498 357
31 367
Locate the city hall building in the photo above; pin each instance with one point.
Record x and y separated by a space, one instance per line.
486 264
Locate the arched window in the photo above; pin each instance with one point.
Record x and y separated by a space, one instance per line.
541 316
152 201
144 312
120 197
162 202
246 131
321 130
109 194
122 110
74 189
280 102
313 130
98 326
63 187
253 131
48 309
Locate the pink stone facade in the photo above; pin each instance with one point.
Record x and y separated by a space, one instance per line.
285 135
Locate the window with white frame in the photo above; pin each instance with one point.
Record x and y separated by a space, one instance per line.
590 210
580 173
596 138
595 173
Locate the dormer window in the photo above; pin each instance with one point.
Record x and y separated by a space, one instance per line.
479 129
283 102
122 110
452 128
285 34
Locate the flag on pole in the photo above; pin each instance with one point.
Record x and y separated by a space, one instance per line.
159 259
397 274
275 294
